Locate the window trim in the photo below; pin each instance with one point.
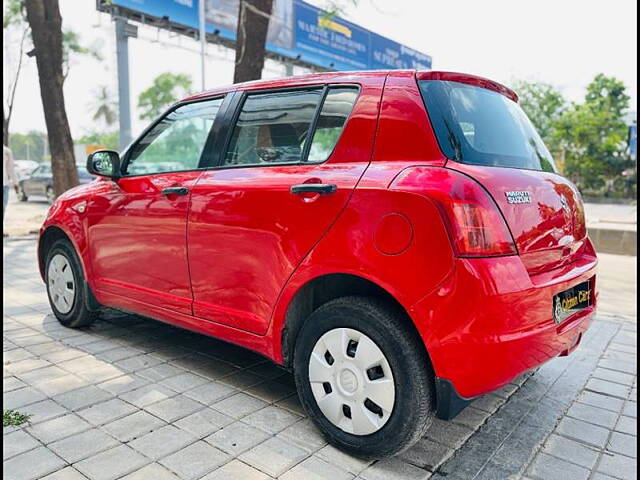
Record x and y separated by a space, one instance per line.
126 157
239 102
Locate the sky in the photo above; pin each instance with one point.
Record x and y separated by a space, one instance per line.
562 42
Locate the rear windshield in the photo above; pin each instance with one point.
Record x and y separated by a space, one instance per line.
482 127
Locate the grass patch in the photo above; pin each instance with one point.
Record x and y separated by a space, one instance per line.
13 418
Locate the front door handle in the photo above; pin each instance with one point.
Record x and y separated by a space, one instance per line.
321 188
176 191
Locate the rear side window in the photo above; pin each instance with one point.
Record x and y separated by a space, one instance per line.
482 127
278 127
335 111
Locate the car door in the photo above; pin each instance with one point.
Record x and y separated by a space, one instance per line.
30 181
137 224
281 180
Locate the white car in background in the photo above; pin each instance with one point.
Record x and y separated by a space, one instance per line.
24 167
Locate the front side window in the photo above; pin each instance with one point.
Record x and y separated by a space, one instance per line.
176 142
482 127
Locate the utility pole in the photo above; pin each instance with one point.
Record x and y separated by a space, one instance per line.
203 40
124 30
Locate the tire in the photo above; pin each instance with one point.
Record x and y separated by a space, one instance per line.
411 374
21 195
70 309
50 195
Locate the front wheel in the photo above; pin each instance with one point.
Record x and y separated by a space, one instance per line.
364 377
66 286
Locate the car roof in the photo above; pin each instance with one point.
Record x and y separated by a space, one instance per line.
356 77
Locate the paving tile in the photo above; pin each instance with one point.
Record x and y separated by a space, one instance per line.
274 456
394 469
204 422
61 385
583 432
174 408
236 438
271 391
58 428
546 467
340 459
608 388
83 397
304 434
112 464
427 454
292 403
271 419
83 445
123 384
627 425
133 426
12 383
314 468
195 460
602 401
153 471
242 380
67 473
618 466
33 464
184 381
21 398
613 376
591 414
624 444
572 451
448 433
162 442
210 393
159 372
16 443
137 363
236 470
105 412
239 405
147 395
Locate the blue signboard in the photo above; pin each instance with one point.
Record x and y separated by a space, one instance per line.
633 140
297 30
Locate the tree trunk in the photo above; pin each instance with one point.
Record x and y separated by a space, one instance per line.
253 24
46 32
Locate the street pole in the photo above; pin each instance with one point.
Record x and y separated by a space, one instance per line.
203 40
124 108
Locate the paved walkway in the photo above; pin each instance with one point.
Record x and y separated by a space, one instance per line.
137 399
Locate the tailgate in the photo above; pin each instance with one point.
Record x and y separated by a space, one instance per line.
543 210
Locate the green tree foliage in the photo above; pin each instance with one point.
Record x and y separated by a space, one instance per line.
165 90
29 146
108 140
593 137
104 106
543 104
13 13
71 44
589 138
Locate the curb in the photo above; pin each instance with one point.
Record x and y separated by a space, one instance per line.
620 242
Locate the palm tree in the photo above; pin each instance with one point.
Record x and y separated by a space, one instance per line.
104 106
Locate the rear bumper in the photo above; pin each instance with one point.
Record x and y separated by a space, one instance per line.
491 321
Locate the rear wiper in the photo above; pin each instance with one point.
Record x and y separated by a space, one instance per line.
455 143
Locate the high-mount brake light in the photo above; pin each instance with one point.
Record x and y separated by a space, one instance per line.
475 224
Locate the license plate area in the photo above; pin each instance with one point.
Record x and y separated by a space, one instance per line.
571 301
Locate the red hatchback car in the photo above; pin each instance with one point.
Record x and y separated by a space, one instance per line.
401 240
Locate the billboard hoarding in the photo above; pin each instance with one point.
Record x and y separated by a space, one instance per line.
298 31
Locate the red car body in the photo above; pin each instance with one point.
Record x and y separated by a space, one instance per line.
231 259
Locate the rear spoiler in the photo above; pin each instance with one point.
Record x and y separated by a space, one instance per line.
470 80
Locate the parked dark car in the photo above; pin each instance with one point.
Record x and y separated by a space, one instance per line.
39 183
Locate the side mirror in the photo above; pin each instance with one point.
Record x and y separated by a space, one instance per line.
104 163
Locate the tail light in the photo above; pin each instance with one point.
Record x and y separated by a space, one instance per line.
475 224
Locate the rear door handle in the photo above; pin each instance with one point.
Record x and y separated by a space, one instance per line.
321 188
176 191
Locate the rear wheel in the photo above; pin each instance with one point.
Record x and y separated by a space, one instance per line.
66 286
363 377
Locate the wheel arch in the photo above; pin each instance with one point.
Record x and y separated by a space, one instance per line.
324 288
